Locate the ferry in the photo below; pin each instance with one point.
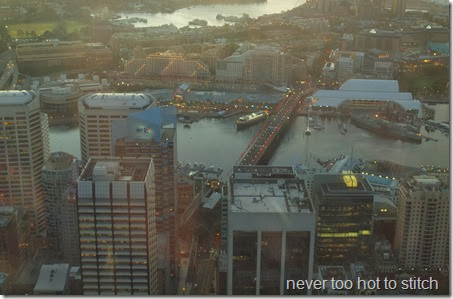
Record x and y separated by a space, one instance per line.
249 119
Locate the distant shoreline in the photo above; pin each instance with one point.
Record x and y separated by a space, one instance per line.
172 6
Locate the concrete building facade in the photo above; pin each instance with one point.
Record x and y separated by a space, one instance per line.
152 134
97 112
24 147
117 226
423 224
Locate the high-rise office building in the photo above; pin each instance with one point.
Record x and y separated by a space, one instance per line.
116 210
96 113
423 224
70 241
24 147
344 208
271 231
152 133
59 173
15 246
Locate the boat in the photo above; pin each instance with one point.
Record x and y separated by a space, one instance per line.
250 119
317 127
307 131
342 128
316 123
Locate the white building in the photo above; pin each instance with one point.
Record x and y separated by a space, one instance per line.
422 227
271 231
97 112
53 280
117 226
258 64
58 173
24 147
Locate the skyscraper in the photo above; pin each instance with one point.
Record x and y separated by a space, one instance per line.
152 133
117 226
423 223
15 245
271 231
24 147
96 113
344 208
59 173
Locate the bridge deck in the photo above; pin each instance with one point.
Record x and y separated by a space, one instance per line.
262 141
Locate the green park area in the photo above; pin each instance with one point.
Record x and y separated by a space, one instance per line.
30 30
431 79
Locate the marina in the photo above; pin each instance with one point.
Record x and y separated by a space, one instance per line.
216 141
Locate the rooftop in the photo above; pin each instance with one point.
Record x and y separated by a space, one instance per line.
116 169
16 97
58 161
268 192
118 101
7 213
52 278
382 33
365 90
333 186
370 85
263 171
426 182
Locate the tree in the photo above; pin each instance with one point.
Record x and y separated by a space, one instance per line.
5 38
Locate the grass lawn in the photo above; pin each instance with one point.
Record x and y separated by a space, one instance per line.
40 28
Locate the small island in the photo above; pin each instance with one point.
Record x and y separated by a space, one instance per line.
198 22
233 19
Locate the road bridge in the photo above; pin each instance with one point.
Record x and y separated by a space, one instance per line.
260 148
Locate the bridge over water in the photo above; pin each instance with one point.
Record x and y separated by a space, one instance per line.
259 150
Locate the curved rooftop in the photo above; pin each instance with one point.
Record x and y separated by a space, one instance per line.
58 161
365 90
16 97
118 100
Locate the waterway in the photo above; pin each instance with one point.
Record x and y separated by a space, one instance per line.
217 142
182 17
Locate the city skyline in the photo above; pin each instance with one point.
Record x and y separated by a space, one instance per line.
224 147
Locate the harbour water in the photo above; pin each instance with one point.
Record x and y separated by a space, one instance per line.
216 142
182 17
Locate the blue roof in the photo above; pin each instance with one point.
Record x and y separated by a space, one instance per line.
382 181
443 48
344 164
149 123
